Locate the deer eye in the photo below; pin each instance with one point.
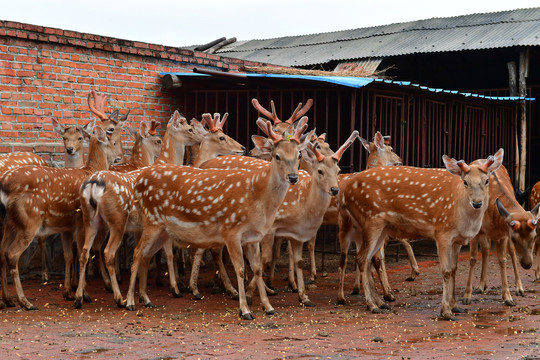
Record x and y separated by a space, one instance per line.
278 158
222 138
159 142
320 172
299 155
190 130
465 183
487 181
80 138
65 139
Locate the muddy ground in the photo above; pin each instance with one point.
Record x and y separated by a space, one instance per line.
210 328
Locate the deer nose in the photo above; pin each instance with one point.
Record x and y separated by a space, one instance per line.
69 150
117 160
334 191
526 265
477 204
293 178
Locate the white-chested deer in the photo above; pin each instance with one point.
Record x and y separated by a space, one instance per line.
407 202
511 227
212 207
44 201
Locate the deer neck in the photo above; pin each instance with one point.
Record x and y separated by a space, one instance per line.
272 188
141 155
97 159
73 161
172 152
203 155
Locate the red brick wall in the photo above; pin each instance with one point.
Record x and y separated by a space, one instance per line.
48 72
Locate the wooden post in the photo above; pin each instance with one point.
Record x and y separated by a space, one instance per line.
512 85
522 88
171 81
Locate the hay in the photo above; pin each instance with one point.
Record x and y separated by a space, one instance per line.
358 72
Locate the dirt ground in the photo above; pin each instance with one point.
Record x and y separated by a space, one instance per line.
210 328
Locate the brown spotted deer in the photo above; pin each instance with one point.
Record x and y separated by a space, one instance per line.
43 201
407 202
108 202
212 207
534 200
511 227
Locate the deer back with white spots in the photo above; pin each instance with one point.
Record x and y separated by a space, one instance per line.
533 201
407 202
212 207
43 201
511 227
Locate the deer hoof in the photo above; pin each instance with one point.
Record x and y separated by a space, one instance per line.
458 310
377 310
389 297
176 293
247 316
309 282
509 303
478 291
10 303
269 312
130 307
68 296
449 317
466 301
78 303
355 291
385 306
520 292
410 278
87 299
308 303
198 296
32 307
121 303
341 301
235 296
149 305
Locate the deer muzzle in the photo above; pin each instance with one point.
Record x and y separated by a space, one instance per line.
476 204
293 178
69 150
334 191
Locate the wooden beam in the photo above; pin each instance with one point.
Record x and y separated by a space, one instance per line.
522 89
512 86
171 82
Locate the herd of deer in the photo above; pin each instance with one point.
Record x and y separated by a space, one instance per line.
248 205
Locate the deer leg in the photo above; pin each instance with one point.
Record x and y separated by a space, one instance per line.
8 237
100 238
380 265
44 265
237 258
149 251
312 263
537 259
90 231
222 273
253 254
22 240
452 285
412 259
194 277
501 247
271 247
67 247
168 249
116 235
298 262
291 279
345 236
485 247
519 286
445 261
374 241
473 254
148 238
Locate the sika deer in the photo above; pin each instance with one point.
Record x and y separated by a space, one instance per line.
209 207
511 227
407 202
43 201
533 202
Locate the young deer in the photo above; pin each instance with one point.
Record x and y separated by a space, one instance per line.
510 227
533 202
407 202
209 207
44 201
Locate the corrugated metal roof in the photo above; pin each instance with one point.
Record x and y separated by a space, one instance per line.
354 82
519 27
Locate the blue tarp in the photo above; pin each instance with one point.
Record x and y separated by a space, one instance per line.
356 82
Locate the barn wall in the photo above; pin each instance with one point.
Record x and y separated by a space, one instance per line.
47 72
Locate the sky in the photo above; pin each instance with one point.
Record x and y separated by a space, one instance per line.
182 22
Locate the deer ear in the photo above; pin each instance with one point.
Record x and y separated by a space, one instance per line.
499 156
198 127
451 165
365 144
379 141
534 212
57 127
133 132
262 143
88 129
101 135
308 156
306 141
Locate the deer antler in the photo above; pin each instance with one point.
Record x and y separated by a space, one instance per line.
302 126
314 149
299 111
485 166
213 124
266 127
463 166
337 155
220 123
98 104
270 115
154 124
